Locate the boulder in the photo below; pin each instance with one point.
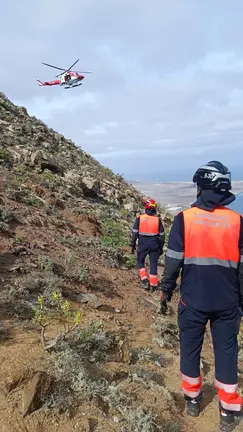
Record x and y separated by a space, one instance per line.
36 157
90 186
91 299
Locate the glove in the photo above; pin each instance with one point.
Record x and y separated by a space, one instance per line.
161 244
133 248
165 297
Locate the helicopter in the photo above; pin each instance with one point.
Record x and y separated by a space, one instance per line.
67 78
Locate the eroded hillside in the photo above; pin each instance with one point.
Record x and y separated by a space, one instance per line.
82 348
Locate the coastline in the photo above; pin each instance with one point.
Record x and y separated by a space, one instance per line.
176 196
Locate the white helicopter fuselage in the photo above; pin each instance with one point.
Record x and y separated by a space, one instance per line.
70 79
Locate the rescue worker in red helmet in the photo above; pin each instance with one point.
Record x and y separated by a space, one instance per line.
149 231
206 242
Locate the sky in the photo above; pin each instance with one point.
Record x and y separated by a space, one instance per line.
166 90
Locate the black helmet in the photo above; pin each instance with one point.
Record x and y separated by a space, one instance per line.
213 175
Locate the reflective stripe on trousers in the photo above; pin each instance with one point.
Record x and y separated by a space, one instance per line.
143 274
228 396
191 387
153 280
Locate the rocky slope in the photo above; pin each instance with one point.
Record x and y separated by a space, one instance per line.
81 347
64 224
27 145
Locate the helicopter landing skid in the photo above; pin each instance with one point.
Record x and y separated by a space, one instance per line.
76 85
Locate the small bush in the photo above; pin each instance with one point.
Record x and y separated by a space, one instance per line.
167 334
130 261
114 234
71 264
142 354
57 311
21 169
139 421
25 196
172 427
6 218
5 156
107 172
83 273
45 263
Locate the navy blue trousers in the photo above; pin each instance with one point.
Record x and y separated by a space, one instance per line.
224 326
153 258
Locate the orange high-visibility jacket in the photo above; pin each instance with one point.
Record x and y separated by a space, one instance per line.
211 238
149 230
148 225
208 246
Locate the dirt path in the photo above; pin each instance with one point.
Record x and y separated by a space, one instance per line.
137 313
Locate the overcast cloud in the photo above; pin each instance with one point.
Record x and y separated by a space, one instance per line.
166 93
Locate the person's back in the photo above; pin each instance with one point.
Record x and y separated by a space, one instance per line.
211 258
149 231
206 242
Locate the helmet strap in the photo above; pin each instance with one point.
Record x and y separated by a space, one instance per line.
199 190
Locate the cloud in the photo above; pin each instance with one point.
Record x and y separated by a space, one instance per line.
167 82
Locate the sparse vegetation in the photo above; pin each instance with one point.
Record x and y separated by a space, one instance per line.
21 169
142 354
5 156
139 421
130 261
107 172
26 196
114 234
167 334
172 427
56 312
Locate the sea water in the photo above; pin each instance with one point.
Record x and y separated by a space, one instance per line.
237 205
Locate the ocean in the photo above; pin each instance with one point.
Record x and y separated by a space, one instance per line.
237 205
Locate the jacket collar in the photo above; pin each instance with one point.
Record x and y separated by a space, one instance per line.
209 200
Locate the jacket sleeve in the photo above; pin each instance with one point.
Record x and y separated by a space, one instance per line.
240 274
135 233
161 233
174 257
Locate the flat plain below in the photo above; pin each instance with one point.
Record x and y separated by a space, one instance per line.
176 195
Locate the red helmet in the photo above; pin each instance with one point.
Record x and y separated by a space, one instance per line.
150 204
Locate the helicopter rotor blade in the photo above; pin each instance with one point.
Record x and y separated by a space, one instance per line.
69 69
72 65
55 67
82 72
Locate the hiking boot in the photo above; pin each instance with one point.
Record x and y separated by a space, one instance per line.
193 406
153 288
230 419
145 284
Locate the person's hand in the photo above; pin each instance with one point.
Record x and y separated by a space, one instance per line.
165 297
133 249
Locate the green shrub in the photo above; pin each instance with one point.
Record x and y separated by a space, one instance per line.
114 234
5 156
55 310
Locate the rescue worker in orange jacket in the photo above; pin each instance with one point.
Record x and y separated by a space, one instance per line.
149 231
206 242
